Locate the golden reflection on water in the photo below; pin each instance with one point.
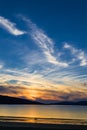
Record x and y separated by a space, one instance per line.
44 111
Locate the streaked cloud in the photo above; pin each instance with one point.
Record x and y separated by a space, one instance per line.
10 27
1 66
43 73
41 93
79 55
45 43
34 86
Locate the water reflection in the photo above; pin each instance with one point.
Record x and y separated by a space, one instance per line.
44 111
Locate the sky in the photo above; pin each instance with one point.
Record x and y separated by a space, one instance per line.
43 49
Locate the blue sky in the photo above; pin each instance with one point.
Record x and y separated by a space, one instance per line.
43 49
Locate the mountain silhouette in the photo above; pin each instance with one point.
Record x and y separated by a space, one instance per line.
70 103
14 100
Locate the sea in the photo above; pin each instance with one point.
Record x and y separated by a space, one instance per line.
49 114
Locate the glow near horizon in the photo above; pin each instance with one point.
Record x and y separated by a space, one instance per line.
45 74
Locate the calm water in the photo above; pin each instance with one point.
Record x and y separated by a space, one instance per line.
44 113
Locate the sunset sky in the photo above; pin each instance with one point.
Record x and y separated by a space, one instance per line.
43 49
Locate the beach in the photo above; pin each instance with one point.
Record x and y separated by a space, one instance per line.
39 126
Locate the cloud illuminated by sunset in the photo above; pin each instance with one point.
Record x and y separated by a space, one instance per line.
34 66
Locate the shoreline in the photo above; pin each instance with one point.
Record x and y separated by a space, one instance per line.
36 120
39 126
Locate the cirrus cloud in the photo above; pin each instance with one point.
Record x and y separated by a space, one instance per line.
45 43
78 54
10 27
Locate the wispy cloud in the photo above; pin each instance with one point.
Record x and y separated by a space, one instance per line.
43 73
1 64
78 54
45 43
57 86
10 26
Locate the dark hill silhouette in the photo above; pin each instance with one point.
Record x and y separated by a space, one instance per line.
13 100
70 103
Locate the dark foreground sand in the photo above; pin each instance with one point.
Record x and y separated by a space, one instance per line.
32 126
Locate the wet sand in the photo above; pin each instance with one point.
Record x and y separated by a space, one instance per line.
39 126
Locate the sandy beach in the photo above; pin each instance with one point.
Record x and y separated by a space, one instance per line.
35 126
